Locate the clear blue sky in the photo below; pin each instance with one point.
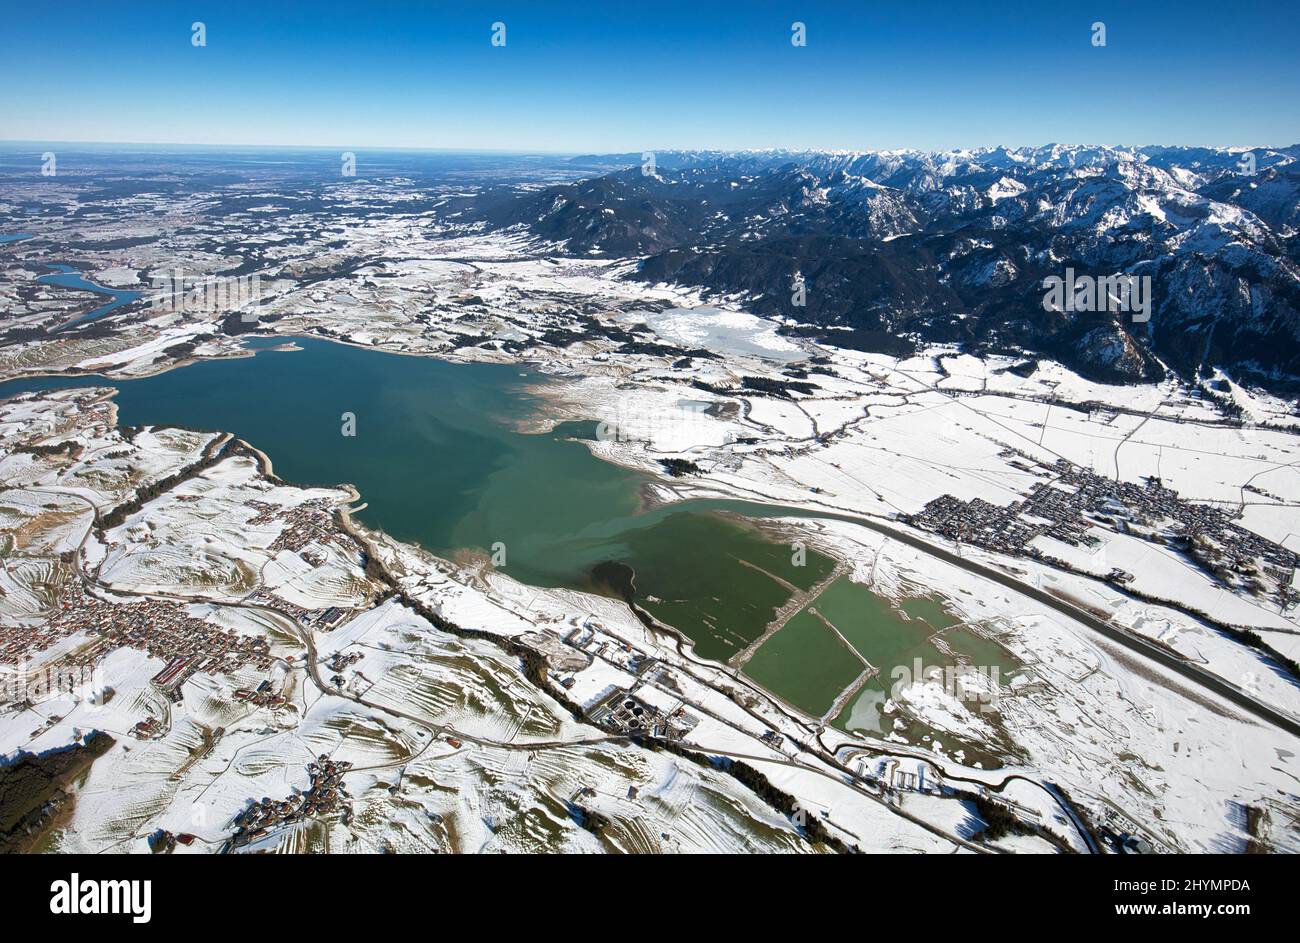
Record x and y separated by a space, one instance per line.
632 75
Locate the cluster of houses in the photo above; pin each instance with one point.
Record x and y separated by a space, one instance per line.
1078 499
162 628
311 522
326 794
263 696
340 660
148 729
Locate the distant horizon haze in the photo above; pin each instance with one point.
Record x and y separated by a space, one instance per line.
13 143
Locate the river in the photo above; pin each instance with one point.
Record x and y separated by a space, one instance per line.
65 276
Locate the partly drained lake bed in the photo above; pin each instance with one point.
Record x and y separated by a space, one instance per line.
437 453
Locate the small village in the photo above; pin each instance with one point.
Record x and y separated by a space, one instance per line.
161 628
1078 499
304 524
324 795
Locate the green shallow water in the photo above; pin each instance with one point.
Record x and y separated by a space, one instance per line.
805 663
809 664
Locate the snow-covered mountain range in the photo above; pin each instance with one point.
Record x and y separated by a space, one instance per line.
895 247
